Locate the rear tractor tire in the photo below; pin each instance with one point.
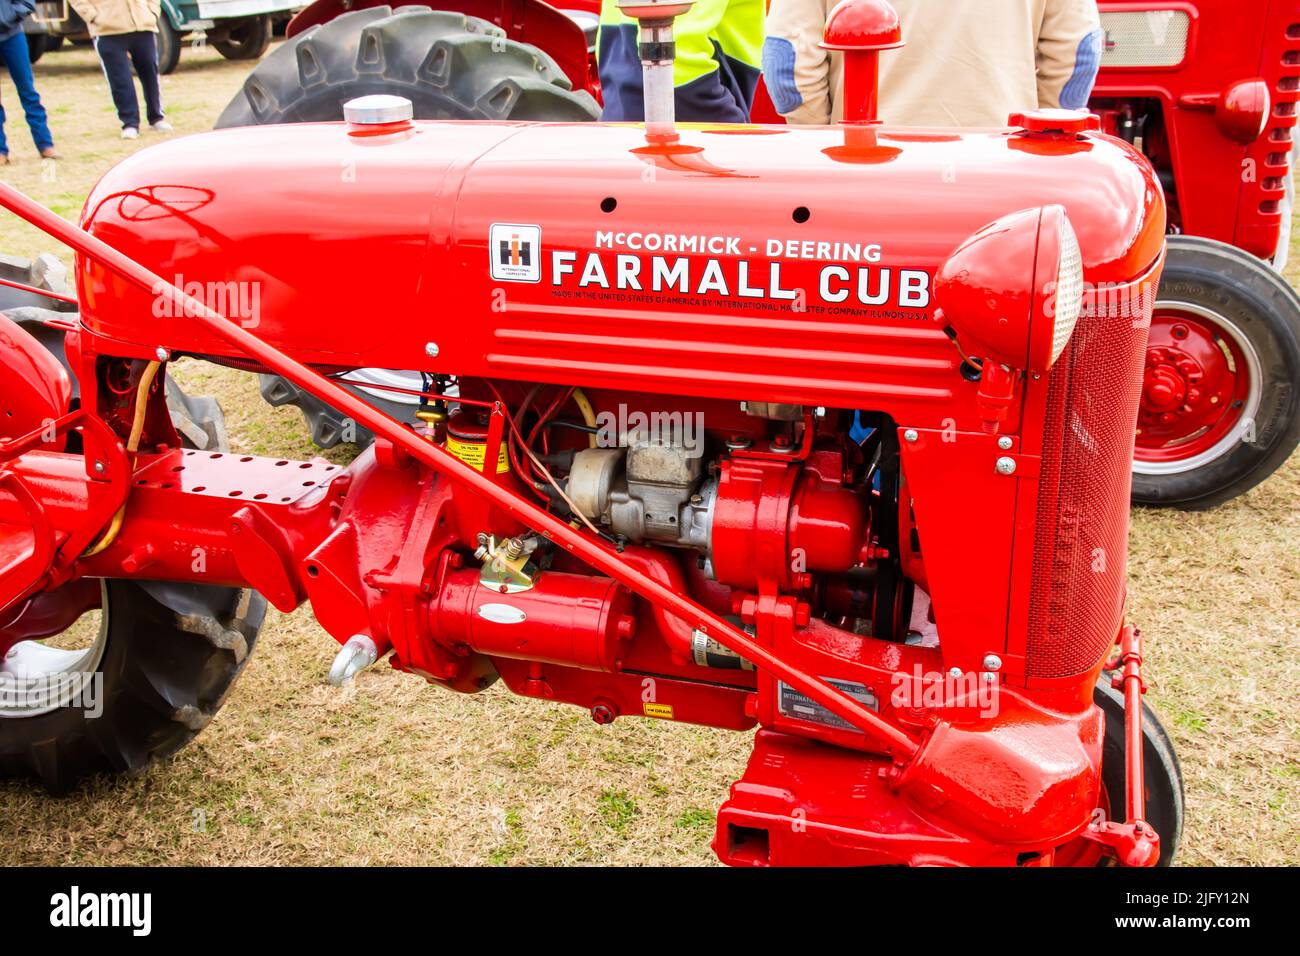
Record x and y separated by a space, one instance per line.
156 671
448 65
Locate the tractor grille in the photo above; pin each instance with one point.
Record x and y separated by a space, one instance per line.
1144 38
1279 131
1080 547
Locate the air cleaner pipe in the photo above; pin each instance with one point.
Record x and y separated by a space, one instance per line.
598 555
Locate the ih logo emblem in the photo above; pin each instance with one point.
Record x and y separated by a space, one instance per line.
516 252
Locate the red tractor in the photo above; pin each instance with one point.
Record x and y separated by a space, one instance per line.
694 441
1206 90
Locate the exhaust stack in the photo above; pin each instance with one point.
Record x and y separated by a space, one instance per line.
658 51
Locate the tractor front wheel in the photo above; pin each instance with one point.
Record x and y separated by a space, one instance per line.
1220 408
1161 774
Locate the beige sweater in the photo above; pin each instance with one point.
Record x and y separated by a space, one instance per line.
111 17
966 62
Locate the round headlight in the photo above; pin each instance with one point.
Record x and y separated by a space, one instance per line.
997 288
1068 294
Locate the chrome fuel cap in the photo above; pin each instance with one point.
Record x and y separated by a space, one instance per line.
378 109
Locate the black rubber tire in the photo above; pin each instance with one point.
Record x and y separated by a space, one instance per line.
329 426
43 272
38 44
1161 771
169 45
171 654
448 65
246 40
1266 309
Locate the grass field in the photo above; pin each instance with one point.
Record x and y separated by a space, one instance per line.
391 771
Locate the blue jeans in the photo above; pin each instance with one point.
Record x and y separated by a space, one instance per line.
14 53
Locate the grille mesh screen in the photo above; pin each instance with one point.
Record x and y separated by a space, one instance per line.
1145 38
1081 543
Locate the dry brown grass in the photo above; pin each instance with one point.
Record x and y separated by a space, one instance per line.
391 771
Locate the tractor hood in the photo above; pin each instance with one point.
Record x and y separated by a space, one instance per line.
563 252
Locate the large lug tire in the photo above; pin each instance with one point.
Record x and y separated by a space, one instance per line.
450 67
1161 774
169 46
329 426
159 667
1220 407
247 39
43 272
163 661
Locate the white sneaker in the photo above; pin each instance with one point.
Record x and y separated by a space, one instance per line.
130 132
162 126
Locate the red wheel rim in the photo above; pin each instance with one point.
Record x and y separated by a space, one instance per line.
1200 390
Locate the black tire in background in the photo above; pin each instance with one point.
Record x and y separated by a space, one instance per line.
448 65
245 39
38 44
169 45
167 654
1225 281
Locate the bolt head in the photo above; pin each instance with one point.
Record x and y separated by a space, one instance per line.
100 468
911 435
431 349
989 677
954 673
1005 466
992 662
1005 442
161 353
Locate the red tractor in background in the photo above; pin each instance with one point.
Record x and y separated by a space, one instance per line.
1206 90
686 447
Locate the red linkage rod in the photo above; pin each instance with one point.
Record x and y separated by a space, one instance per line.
598 555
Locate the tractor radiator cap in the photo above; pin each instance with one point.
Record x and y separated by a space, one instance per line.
1055 122
379 109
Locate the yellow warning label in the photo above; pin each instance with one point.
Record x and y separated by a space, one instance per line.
473 453
662 711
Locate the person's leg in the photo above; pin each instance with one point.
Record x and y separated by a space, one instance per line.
18 60
144 54
117 70
4 144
